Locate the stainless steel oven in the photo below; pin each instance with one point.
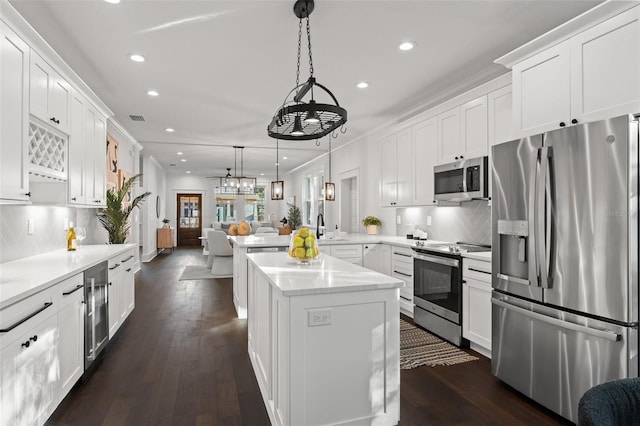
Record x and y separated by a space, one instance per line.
437 289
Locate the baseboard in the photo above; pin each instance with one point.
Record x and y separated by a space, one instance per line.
148 257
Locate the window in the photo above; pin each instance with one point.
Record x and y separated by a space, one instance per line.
313 199
253 207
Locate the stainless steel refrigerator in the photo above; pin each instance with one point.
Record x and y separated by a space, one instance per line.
565 261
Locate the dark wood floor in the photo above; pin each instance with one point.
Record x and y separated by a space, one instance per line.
181 359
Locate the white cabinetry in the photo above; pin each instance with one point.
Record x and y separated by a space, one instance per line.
71 333
377 257
95 140
605 65
476 304
402 268
351 253
541 91
28 360
500 123
462 131
425 145
49 94
14 116
591 76
397 174
87 154
121 290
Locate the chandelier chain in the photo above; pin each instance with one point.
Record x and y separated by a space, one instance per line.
299 48
309 46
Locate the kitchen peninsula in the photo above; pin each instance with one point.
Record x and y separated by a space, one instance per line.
324 340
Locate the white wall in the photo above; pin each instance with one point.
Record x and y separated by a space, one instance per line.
155 181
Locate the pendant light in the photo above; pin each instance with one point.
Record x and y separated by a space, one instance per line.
237 185
297 119
277 186
329 187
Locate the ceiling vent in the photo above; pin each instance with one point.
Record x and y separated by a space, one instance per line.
137 118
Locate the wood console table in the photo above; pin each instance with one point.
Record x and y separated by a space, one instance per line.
165 238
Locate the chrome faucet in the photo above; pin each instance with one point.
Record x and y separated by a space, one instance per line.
319 223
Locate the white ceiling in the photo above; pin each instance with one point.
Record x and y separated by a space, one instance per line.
223 67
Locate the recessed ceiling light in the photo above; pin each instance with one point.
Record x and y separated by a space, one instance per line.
184 160
152 93
169 129
284 158
136 57
261 174
179 152
277 164
407 45
362 85
113 1
188 171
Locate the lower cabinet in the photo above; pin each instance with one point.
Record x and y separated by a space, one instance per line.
121 290
351 253
476 304
41 352
71 333
402 268
377 257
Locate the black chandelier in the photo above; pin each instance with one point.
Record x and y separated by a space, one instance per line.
237 185
297 119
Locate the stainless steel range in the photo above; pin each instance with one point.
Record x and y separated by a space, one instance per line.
437 287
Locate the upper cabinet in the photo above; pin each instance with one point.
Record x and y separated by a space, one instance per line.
425 145
14 116
49 95
397 175
590 76
462 131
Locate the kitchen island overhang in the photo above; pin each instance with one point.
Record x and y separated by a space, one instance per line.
324 340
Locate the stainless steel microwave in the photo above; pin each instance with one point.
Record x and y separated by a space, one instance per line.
462 181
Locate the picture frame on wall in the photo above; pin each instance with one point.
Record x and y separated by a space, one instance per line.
112 163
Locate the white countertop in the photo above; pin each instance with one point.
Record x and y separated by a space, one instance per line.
24 277
283 240
480 255
326 275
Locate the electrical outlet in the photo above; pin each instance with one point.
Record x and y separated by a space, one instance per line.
428 220
319 317
30 226
66 224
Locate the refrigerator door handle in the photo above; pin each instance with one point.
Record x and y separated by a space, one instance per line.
541 219
608 335
549 223
534 264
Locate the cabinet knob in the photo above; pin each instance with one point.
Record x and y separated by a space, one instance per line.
28 194
461 157
26 344
129 270
562 124
574 121
52 119
73 198
456 158
110 283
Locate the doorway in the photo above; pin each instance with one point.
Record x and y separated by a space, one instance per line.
189 219
349 211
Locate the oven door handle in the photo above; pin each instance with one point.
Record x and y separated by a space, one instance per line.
437 259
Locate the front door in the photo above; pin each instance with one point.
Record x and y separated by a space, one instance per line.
189 219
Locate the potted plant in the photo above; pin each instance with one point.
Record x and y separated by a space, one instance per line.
115 218
294 217
371 223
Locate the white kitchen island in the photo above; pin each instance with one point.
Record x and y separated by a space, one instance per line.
324 341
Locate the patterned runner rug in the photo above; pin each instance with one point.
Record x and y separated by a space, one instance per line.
199 272
418 347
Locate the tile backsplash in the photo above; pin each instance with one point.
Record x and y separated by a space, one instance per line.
469 222
48 231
